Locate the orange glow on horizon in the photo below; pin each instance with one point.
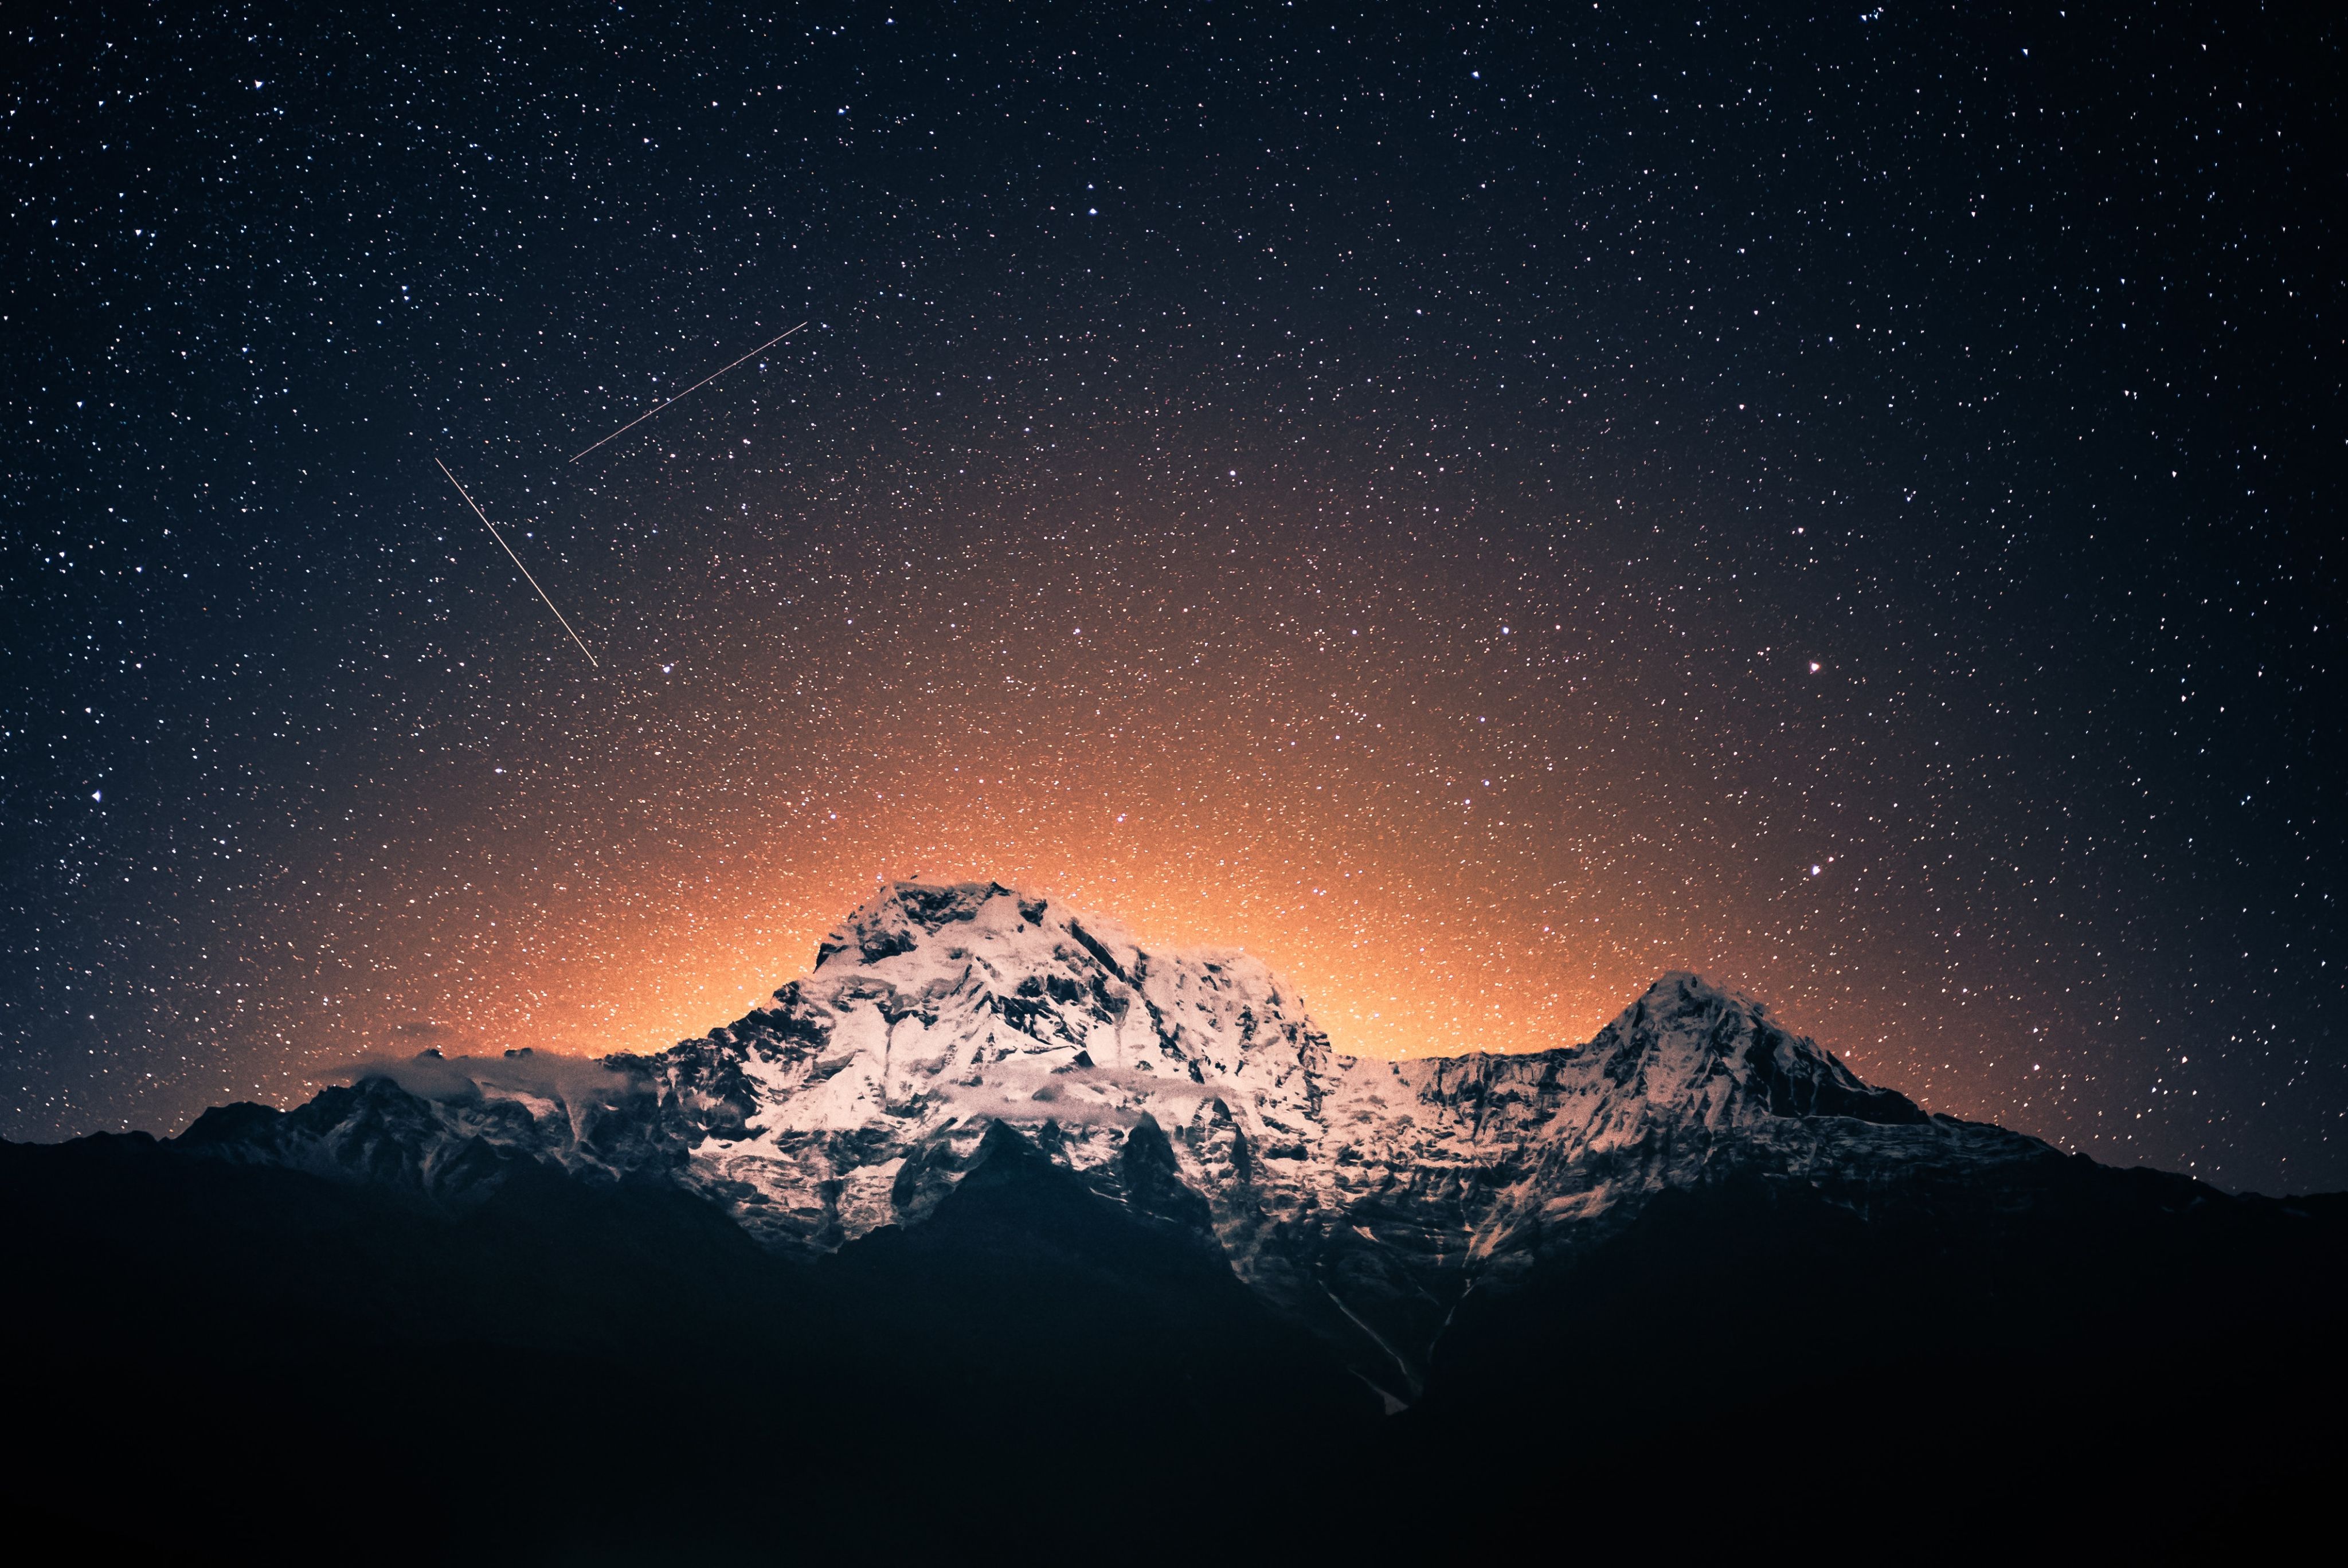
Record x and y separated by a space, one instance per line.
1455 815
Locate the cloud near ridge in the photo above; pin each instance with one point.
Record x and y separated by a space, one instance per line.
567 1079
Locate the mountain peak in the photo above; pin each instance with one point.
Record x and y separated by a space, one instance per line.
960 917
1683 992
1686 1032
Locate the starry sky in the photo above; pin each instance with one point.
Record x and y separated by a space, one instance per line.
1480 506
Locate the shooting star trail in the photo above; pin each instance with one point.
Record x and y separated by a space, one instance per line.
689 391
515 560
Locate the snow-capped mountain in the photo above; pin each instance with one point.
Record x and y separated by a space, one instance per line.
1365 1197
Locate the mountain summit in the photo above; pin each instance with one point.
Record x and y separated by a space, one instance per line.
1364 1197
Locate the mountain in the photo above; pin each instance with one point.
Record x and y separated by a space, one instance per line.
1362 1197
994 1167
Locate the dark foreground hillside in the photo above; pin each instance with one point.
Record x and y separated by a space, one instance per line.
226 1362
2113 1365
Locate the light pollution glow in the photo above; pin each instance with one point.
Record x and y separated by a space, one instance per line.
1457 805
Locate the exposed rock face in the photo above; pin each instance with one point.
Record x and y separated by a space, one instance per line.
1365 1197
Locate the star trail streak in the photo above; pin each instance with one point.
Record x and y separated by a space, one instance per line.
515 559
689 391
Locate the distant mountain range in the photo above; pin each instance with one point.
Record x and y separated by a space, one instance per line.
998 1221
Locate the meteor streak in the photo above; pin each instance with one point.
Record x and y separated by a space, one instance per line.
689 391
515 560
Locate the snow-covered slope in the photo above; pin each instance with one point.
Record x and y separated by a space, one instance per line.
1363 1196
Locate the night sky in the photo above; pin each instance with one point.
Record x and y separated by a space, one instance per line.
1477 506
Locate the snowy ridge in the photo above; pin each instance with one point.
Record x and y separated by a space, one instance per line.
1363 1196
